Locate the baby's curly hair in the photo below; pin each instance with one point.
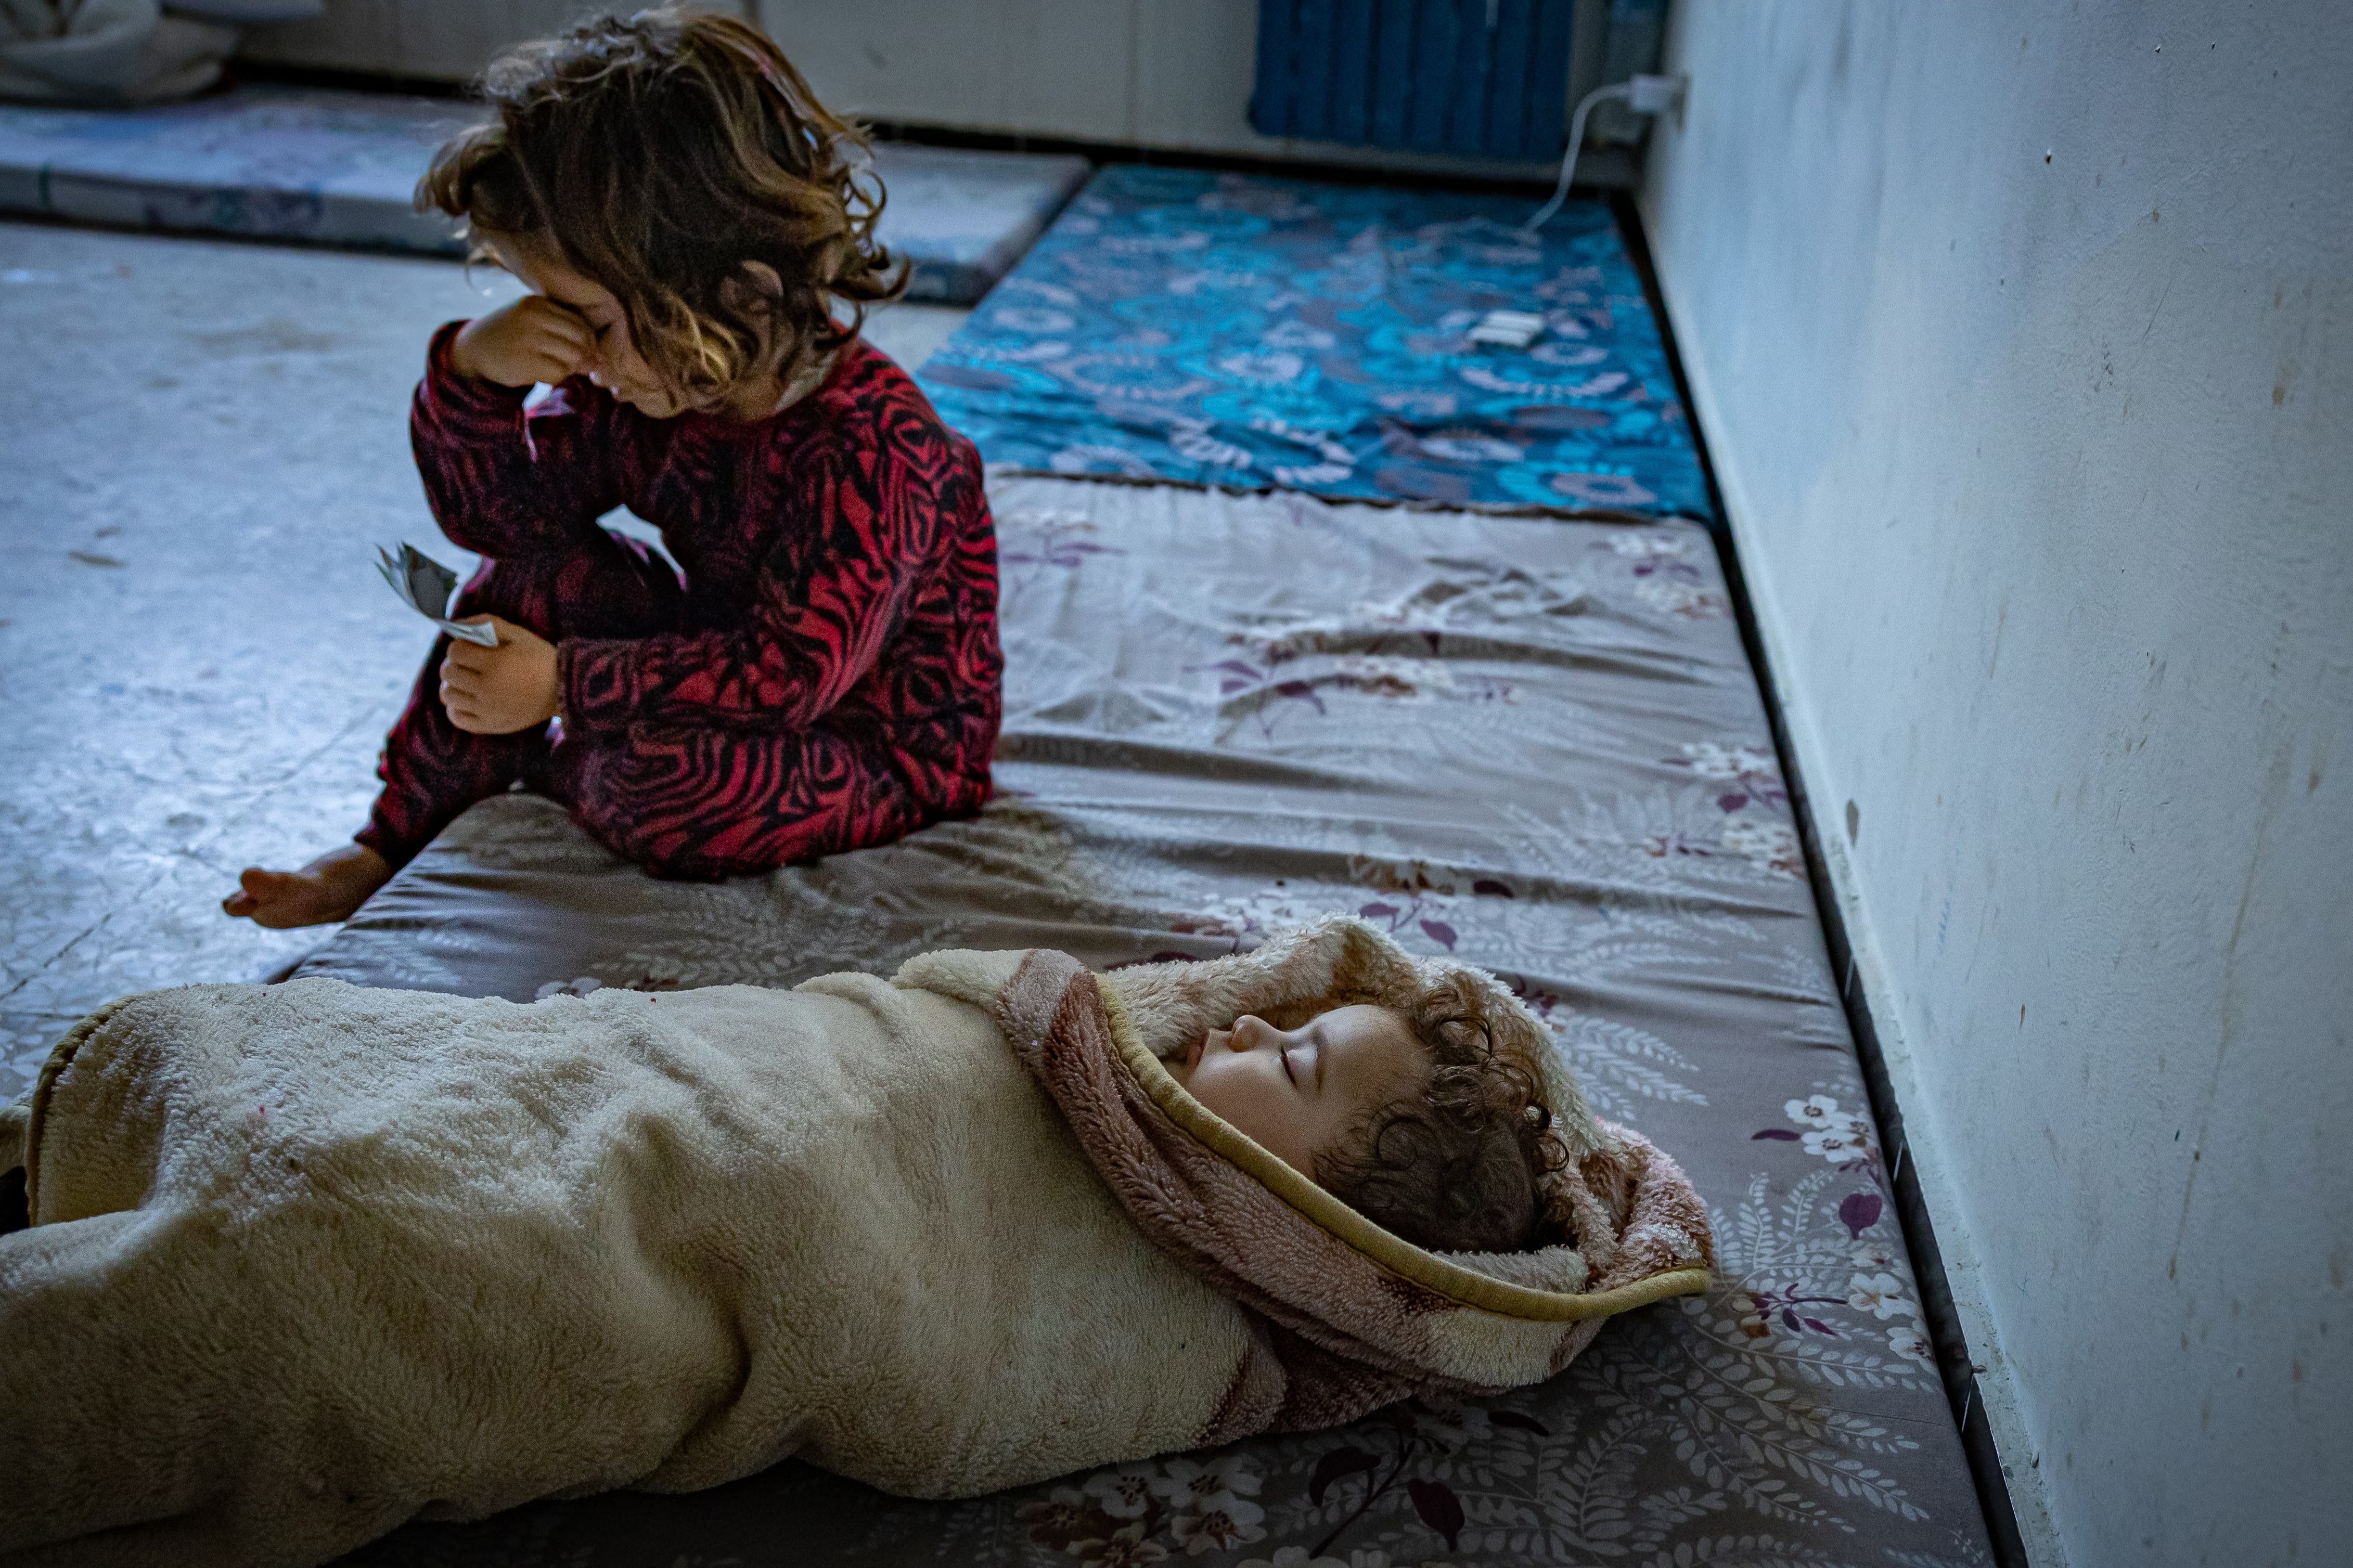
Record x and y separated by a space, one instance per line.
657 155
1456 1167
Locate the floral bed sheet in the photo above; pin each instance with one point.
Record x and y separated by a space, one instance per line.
1533 743
1231 330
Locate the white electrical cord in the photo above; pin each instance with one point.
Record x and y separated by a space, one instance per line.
1643 94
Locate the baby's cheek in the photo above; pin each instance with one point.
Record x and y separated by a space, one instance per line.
1281 1135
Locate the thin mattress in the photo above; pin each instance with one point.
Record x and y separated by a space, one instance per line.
316 166
1230 330
1531 743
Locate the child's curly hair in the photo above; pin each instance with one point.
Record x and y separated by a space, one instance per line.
657 155
1456 1168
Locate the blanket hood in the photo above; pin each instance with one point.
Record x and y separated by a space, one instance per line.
1354 1316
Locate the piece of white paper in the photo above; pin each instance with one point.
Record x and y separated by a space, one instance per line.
424 585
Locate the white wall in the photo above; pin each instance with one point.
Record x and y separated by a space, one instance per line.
1151 73
449 40
2022 337
1173 74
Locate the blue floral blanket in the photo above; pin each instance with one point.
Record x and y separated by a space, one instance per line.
1259 333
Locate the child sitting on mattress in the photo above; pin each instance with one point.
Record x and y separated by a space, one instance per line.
823 674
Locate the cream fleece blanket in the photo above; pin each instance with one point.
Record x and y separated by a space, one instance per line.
308 1261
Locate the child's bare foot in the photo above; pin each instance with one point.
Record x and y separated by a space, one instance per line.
327 888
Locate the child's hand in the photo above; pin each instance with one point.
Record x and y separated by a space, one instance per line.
498 690
534 339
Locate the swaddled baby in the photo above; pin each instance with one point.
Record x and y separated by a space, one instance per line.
1408 1117
308 1260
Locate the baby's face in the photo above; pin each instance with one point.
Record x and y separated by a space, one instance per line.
1298 1091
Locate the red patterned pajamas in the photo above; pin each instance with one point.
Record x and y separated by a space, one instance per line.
825 677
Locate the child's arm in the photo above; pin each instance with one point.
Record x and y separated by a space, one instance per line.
889 517
494 486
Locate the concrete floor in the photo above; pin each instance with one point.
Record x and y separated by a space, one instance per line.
202 444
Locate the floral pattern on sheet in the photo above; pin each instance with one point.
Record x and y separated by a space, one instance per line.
1583 841
1231 330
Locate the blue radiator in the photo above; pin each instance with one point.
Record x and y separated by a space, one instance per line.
1479 78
